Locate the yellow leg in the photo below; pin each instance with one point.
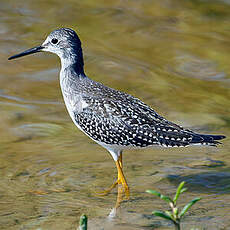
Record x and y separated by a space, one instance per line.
120 160
122 183
120 180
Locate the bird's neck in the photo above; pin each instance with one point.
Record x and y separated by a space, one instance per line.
73 62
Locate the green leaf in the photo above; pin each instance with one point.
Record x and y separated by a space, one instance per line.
178 192
187 206
183 190
163 197
175 211
83 222
170 214
166 198
153 192
163 215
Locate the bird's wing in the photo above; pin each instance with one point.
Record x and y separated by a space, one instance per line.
125 120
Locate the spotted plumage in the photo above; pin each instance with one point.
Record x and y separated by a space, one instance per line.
116 118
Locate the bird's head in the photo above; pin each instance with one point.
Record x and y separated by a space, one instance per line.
64 42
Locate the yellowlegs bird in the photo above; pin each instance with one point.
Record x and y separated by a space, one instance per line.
113 119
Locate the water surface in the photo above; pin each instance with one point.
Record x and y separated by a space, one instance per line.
172 54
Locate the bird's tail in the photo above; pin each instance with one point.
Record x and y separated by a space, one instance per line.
205 139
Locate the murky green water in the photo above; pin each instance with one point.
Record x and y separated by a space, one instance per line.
172 54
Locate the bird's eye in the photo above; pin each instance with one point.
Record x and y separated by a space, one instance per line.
54 41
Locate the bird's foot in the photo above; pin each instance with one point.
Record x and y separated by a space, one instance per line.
107 191
123 188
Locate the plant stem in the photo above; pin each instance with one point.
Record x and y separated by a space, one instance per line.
177 225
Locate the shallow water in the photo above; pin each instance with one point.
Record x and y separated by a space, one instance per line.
174 55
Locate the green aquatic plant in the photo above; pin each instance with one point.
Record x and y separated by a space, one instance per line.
174 215
83 222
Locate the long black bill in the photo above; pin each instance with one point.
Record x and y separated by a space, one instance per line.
27 52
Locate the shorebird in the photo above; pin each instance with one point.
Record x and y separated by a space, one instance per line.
113 119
